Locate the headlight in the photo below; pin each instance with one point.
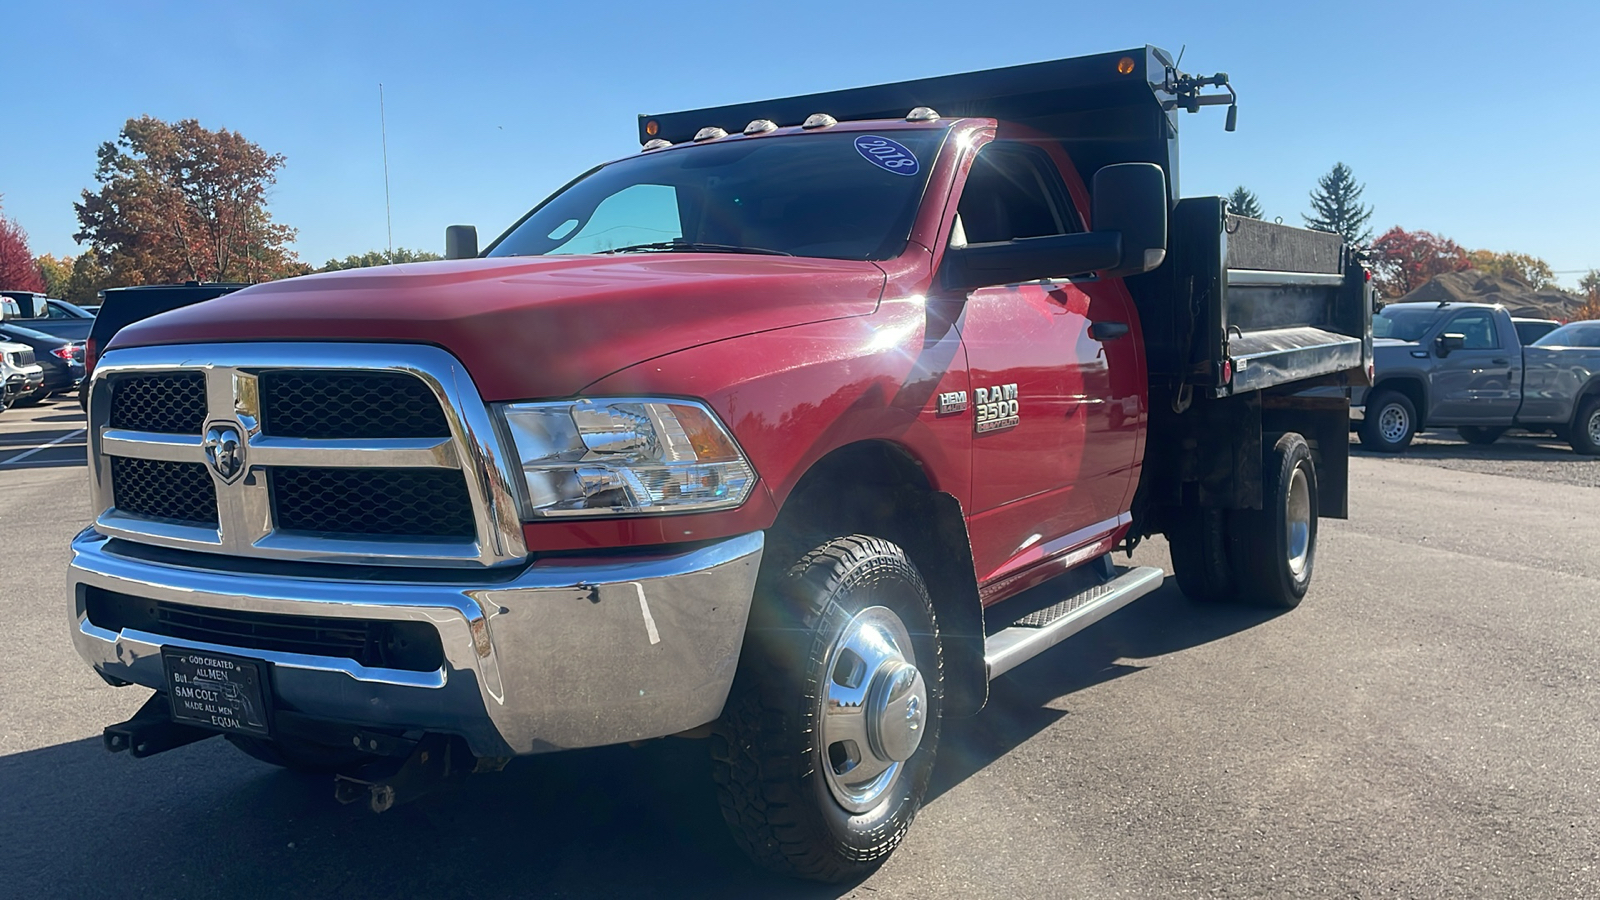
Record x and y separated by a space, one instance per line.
618 457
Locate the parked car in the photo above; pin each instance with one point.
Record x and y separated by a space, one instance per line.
1530 330
50 315
62 359
1573 334
20 375
121 307
1461 365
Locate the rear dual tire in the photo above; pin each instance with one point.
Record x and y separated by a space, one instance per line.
1264 556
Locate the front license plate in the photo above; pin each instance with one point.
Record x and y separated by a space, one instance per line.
213 690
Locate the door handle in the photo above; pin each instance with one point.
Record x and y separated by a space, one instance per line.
1501 362
1108 331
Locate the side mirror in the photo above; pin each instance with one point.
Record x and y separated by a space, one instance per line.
1450 343
460 241
1129 237
1130 199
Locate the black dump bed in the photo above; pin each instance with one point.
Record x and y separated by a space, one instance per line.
1240 305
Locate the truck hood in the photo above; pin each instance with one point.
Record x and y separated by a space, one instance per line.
532 327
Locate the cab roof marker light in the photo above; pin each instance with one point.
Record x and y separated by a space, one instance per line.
760 126
656 144
819 120
709 133
922 114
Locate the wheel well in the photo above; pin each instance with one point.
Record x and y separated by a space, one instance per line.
1413 391
1589 392
878 488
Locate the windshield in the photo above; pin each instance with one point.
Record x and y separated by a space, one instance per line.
842 195
1404 322
1577 334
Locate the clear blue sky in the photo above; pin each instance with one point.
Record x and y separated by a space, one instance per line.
1474 120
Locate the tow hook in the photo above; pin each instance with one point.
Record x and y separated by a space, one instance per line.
151 731
386 783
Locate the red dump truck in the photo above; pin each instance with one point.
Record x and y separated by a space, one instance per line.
760 434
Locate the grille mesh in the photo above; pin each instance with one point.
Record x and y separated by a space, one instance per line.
170 402
158 489
395 502
349 405
411 646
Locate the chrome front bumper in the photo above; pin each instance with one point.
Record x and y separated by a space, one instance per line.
571 652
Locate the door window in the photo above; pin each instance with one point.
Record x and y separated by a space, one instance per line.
1013 191
1478 327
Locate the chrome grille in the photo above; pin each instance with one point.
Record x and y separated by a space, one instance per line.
400 502
360 453
168 403
349 405
161 489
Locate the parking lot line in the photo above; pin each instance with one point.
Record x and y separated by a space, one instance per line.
27 453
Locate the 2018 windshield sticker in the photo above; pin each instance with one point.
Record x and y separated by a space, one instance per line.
891 156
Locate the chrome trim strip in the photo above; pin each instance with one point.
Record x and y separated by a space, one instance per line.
390 453
244 508
152 445
1258 276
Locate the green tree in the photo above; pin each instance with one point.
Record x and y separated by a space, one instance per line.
90 275
1245 203
180 202
55 273
378 258
1590 282
1336 206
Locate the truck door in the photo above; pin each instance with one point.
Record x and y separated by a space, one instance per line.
1056 402
1479 383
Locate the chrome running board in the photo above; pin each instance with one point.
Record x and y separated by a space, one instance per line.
1037 632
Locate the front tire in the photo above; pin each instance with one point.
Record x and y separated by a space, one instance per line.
1585 433
827 742
1479 434
1389 424
1275 547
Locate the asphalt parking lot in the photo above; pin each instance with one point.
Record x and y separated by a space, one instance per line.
1425 725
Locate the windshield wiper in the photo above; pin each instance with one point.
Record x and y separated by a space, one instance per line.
682 246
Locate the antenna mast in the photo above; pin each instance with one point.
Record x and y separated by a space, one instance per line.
383 128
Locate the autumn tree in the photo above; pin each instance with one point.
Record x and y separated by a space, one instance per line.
17 271
378 258
54 273
1524 267
1404 260
180 202
1336 206
1589 284
1245 203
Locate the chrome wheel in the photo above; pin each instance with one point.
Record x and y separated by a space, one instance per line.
1297 521
1393 423
874 707
1594 427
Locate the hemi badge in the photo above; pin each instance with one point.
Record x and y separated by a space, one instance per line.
952 402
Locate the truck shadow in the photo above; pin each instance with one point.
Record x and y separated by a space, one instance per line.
205 821
1515 446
